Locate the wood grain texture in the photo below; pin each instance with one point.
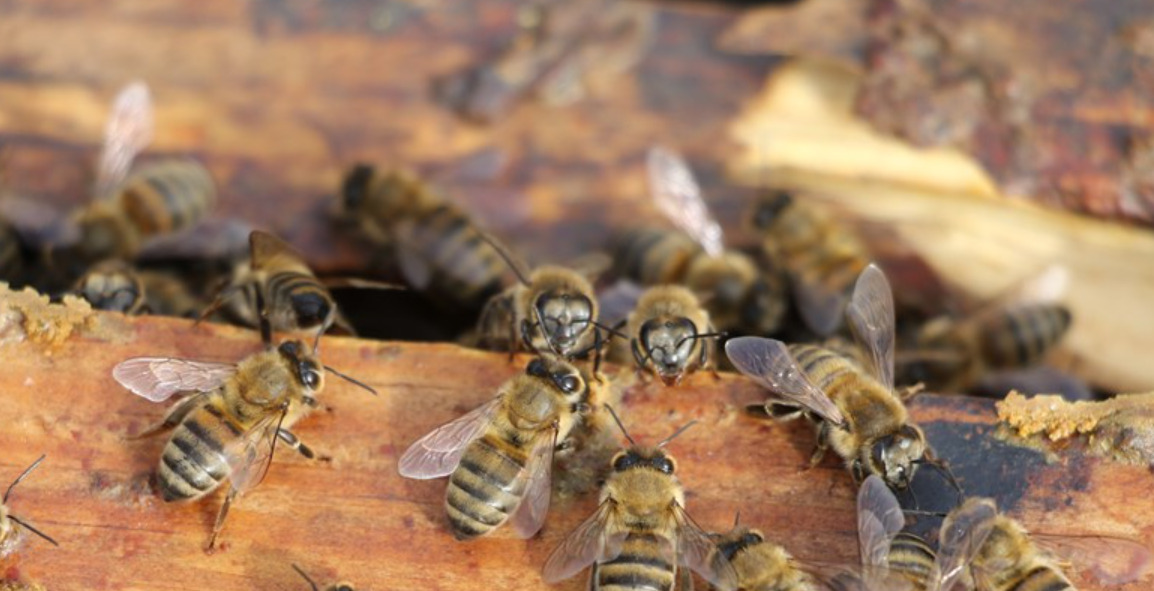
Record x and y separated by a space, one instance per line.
356 519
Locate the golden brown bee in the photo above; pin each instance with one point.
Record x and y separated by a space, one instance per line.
888 554
739 296
1015 331
670 333
857 412
228 427
313 584
278 291
761 565
439 248
821 257
499 457
11 535
113 285
640 534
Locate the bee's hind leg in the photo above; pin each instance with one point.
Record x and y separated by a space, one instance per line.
295 443
220 517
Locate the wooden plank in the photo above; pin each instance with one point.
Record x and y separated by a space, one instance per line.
356 519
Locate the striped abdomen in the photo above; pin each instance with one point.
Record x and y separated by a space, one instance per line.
831 372
816 250
487 485
641 566
913 559
167 196
463 268
1039 578
297 300
194 463
1021 336
653 256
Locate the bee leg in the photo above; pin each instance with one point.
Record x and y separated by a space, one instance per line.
295 443
223 293
262 314
220 517
909 392
685 579
821 446
173 418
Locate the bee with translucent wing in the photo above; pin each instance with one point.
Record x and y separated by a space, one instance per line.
499 457
11 527
856 410
761 565
640 534
227 426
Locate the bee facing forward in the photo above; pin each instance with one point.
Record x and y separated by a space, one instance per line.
499 457
670 333
438 247
738 295
857 412
640 534
821 257
11 526
313 584
228 427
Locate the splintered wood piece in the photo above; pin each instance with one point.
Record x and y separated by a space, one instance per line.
355 519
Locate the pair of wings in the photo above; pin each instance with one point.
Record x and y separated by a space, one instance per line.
439 453
159 378
871 316
600 539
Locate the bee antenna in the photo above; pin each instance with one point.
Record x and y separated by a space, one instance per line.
302 573
21 477
351 380
683 429
736 518
944 470
704 335
925 513
612 330
617 419
518 270
33 530
317 340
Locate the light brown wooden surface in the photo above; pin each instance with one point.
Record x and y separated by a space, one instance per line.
357 519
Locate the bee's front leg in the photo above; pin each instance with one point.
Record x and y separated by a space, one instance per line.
295 443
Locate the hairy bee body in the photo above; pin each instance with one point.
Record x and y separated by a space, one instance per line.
761 565
113 285
1022 566
553 312
642 565
663 328
643 494
655 256
195 460
912 558
10 535
441 250
1023 335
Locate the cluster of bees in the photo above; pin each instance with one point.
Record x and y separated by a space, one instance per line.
681 296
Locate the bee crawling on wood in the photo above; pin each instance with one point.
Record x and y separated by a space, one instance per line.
670 334
11 527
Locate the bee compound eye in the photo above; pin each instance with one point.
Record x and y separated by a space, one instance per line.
537 368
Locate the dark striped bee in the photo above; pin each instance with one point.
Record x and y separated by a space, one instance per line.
228 426
740 296
313 584
11 527
439 248
761 565
821 257
116 286
499 457
857 411
640 534
1015 331
670 333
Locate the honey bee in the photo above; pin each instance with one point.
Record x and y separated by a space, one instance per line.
669 333
10 535
439 248
821 258
738 295
761 565
640 533
114 285
857 412
1014 331
551 309
313 584
278 292
229 425
499 457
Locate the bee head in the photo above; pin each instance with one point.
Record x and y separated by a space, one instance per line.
559 373
311 309
736 540
651 458
895 457
306 367
769 207
355 186
564 317
668 343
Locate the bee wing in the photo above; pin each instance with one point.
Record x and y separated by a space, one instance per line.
618 300
879 519
158 378
769 363
415 263
438 453
250 457
529 515
697 551
820 307
589 543
962 535
673 188
1111 561
871 316
265 246
215 239
38 224
127 132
